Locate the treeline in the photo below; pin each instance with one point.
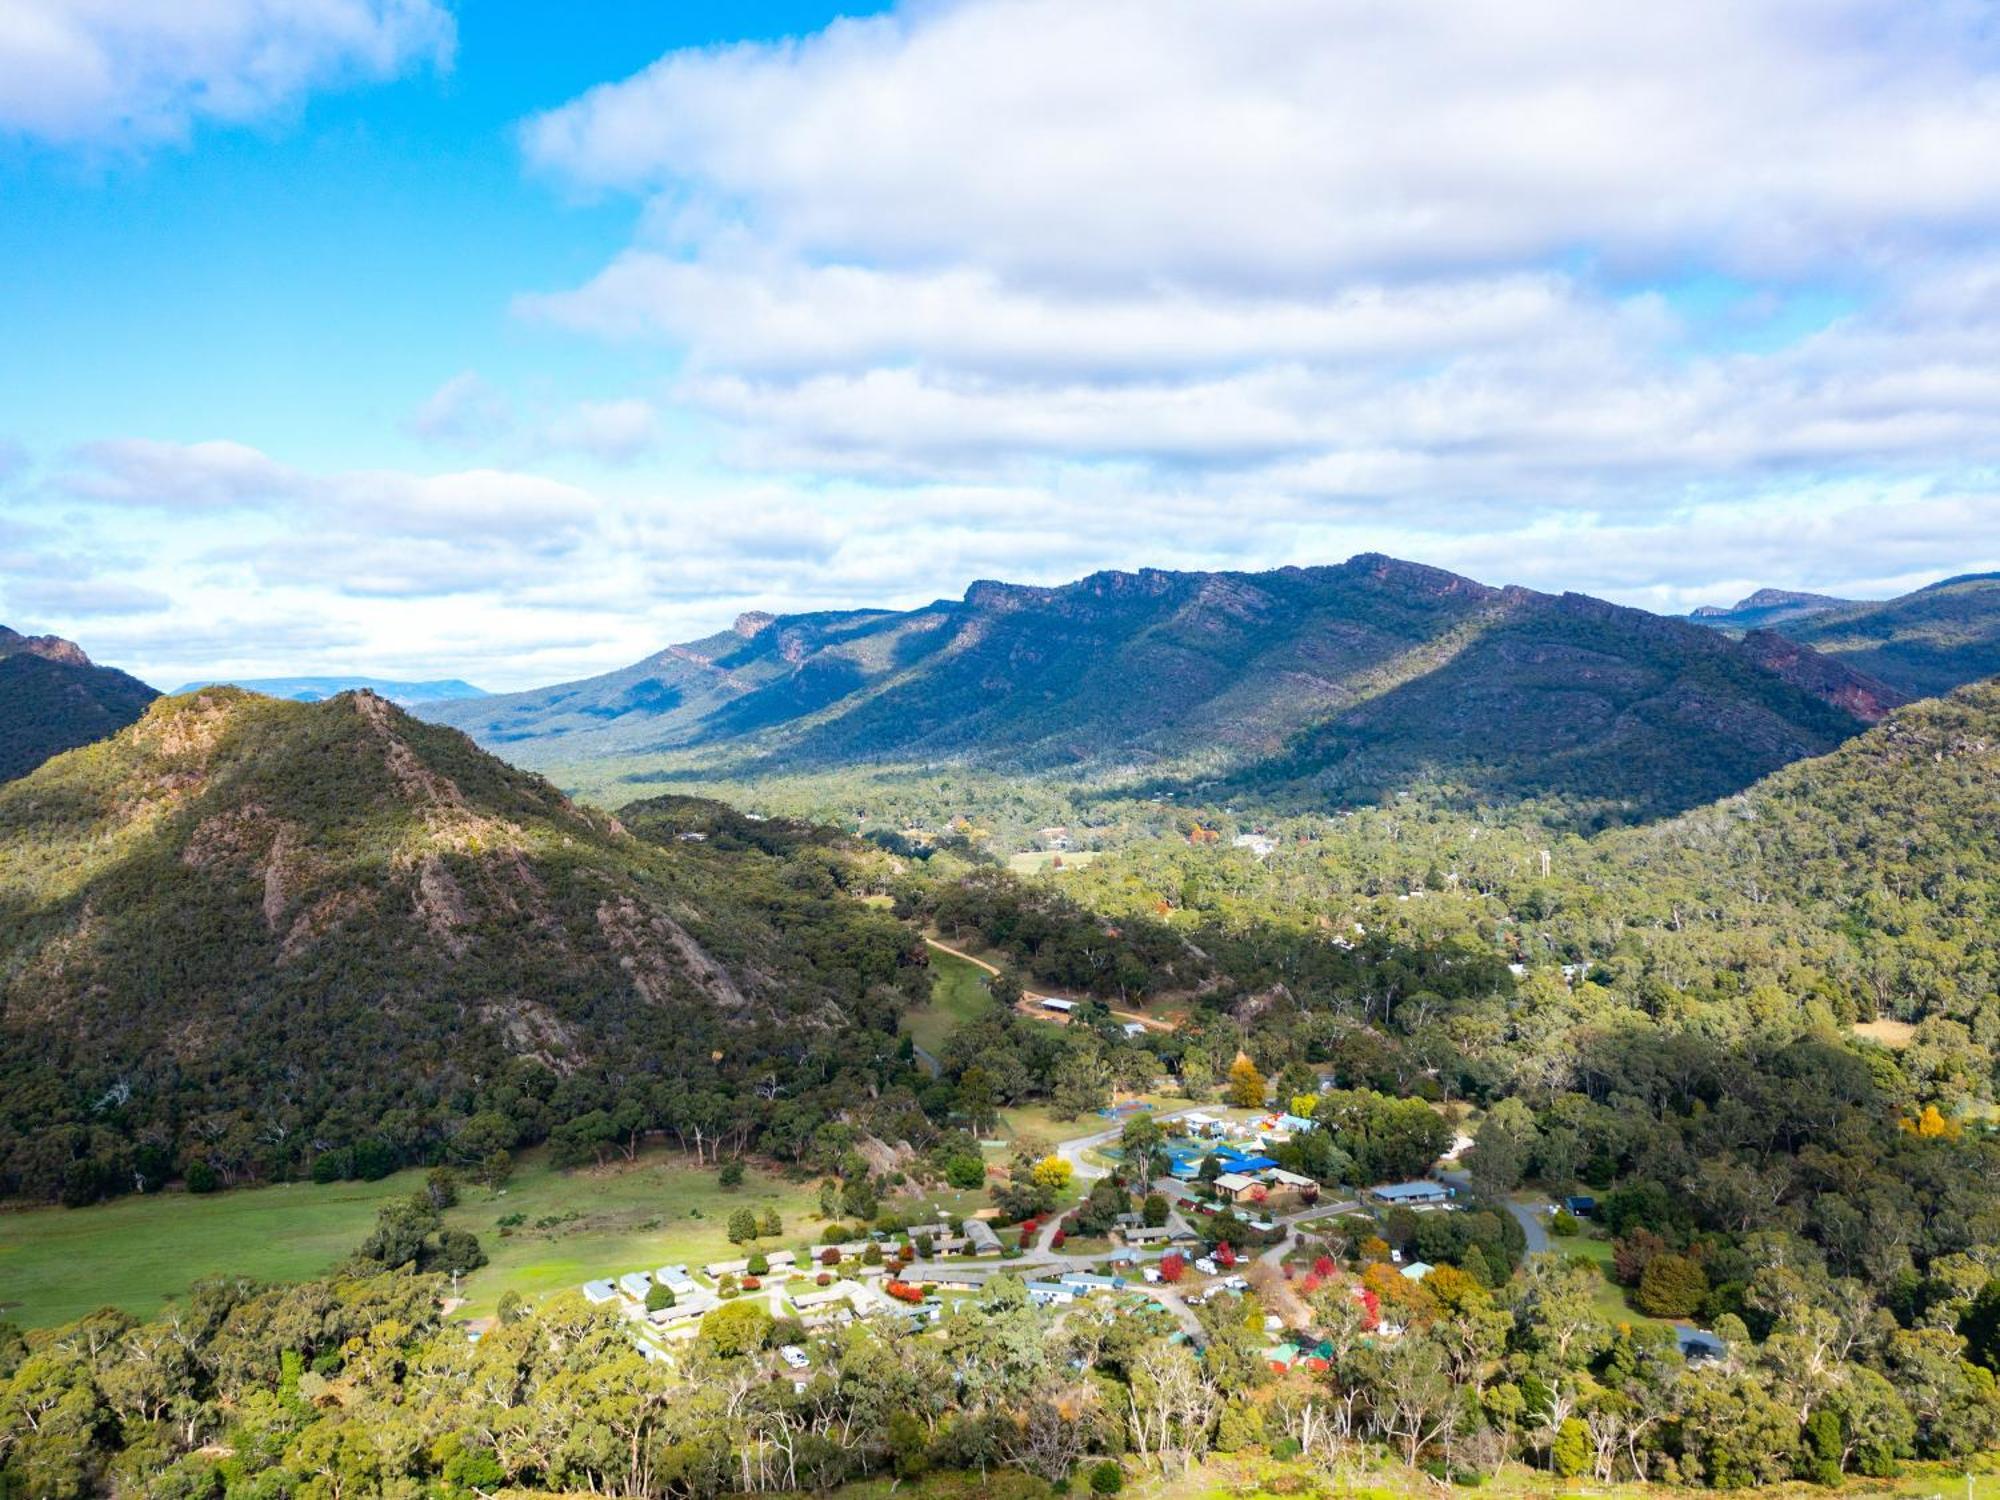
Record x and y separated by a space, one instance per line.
351 1386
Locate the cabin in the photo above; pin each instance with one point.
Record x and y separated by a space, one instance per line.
1421 1193
1083 1282
1697 1344
980 1238
1061 1007
599 1292
1580 1205
1050 1294
635 1284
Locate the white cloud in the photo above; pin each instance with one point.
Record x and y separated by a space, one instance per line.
1280 142
1417 263
191 476
127 73
617 432
791 318
465 412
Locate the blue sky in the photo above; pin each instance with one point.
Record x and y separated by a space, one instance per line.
512 341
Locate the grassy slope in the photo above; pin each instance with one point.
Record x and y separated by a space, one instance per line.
958 993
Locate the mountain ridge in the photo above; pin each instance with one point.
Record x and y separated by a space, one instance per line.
1321 676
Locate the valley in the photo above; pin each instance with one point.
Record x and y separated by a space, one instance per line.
533 1049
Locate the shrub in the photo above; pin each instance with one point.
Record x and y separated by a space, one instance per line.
201 1178
1672 1286
731 1174
829 1256
658 1298
1173 1265
1564 1224
752 1284
833 1234
823 1279
1106 1478
760 1264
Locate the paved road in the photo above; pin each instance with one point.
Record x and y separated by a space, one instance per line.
1072 1151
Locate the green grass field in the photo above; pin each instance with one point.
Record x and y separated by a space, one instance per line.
57 1264
1035 862
60 1263
958 993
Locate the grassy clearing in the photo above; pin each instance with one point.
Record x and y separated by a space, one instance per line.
136 1253
1035 1120
1609 1298
1035 862
1895 1035
60 1263
958 994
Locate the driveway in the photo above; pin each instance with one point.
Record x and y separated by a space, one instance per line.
1532 1215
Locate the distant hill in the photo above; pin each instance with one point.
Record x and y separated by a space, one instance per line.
1923 644
314 689
53 698
1766 609
1333 683
247 931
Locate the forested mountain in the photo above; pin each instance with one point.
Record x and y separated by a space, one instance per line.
246 934
53 698
1332 684
1859 884
1923 644
313 689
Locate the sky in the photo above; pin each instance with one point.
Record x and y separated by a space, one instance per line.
513 341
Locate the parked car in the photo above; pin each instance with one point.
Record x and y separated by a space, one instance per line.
1206 1266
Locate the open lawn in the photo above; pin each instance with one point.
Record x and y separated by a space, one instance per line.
1035 1120
1610 1297
958 993
60 1263
57 1264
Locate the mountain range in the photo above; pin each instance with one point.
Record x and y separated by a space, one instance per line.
1325 684
54 698
314 689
